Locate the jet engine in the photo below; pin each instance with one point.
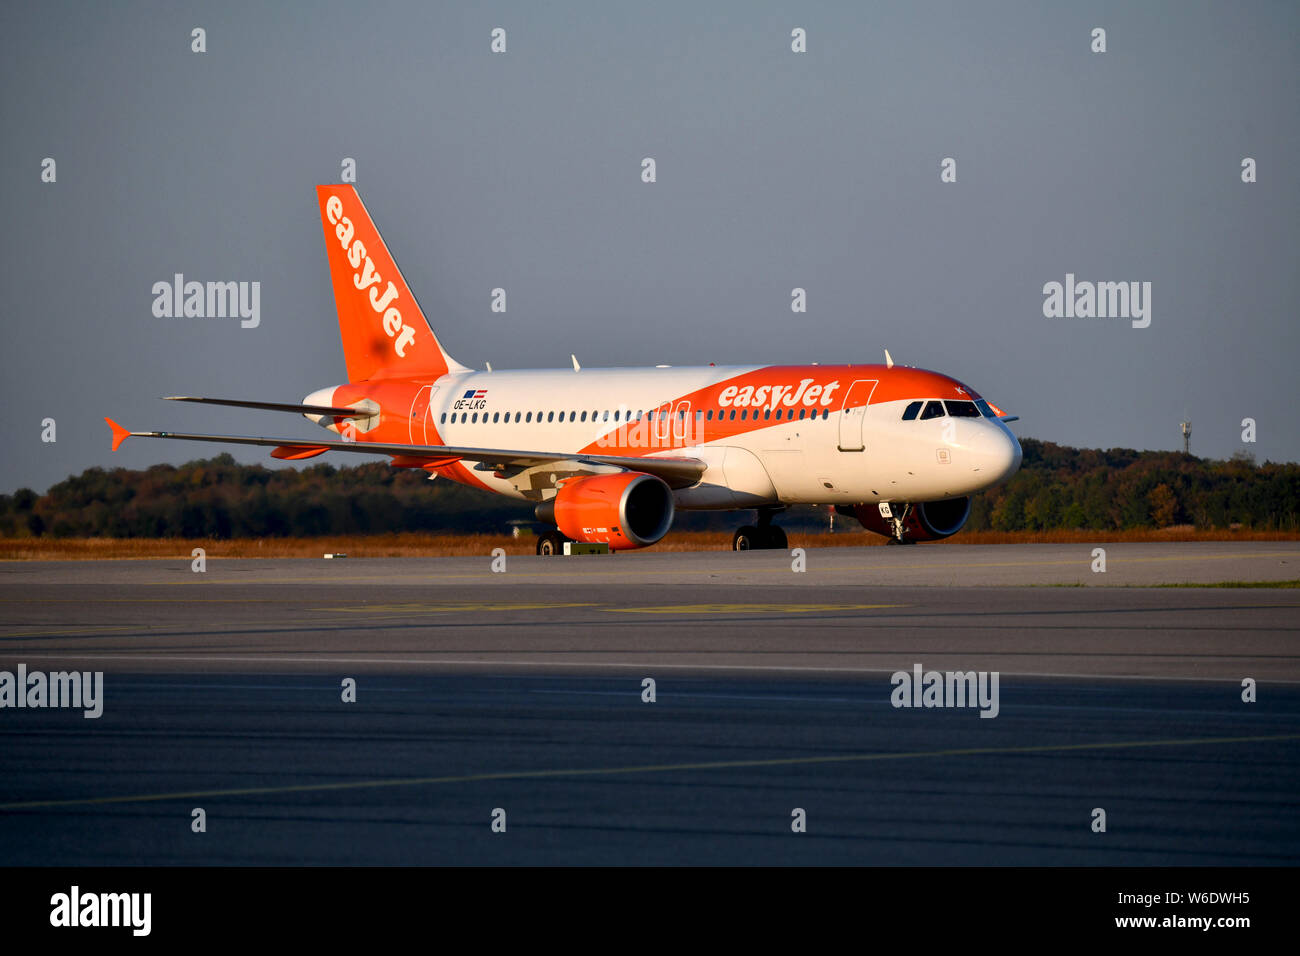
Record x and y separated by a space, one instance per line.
627 510
926 521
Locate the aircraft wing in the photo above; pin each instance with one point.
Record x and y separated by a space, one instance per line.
676 472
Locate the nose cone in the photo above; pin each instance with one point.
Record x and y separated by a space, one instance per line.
997 455
1013 454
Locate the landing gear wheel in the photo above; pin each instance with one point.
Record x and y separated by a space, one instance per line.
774 538
745 539
552 542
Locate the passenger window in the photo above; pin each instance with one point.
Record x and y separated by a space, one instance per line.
962 409
767 414
733 415
496 417
584 416
910 412
932 410
516 416
550 416
474 420
444 418
803 413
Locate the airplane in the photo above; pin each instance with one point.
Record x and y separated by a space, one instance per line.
608 456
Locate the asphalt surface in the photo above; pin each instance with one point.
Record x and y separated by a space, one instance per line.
703 613
523 691
710 773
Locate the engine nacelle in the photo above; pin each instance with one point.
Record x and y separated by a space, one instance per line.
626 511
927 521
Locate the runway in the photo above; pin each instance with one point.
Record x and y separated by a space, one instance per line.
853 611
586 772
523 691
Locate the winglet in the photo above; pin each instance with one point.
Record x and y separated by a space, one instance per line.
889 359
1003 416
120 434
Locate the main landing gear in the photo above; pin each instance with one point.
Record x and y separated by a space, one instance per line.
551 542
765 537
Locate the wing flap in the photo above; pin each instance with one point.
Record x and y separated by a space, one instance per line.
419 461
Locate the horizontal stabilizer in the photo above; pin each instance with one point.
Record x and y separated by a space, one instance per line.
332 410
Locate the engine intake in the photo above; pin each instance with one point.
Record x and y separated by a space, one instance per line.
625 511
926 521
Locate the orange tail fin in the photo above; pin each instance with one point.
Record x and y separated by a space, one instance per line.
384 332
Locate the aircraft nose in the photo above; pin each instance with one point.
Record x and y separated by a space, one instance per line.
1013 454
999 454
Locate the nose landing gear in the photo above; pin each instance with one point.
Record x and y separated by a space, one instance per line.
896 519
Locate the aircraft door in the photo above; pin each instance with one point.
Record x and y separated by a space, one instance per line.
682 424
853 414
421 417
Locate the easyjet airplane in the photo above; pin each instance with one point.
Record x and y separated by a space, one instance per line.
608 455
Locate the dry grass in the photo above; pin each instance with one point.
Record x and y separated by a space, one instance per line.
1180 533
427 545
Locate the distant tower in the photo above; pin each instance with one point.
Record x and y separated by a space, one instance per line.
1187 435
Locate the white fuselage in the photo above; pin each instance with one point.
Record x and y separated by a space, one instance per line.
769 435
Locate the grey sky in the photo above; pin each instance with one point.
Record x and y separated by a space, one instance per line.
775 170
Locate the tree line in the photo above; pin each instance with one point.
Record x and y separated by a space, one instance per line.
1057 487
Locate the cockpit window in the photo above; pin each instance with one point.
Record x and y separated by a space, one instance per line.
985 410
962 409
932 410
910 412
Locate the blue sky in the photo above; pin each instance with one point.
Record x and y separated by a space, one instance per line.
775 170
